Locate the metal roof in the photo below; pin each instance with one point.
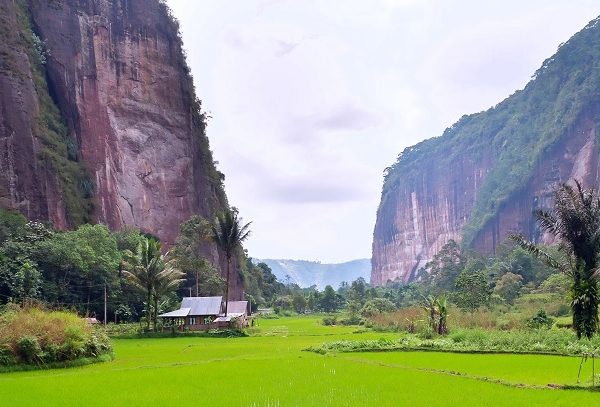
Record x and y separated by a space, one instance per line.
179 313
229 317
202 305
234 307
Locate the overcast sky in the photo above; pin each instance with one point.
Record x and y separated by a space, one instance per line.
311 100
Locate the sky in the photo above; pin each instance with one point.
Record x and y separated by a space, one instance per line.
309 101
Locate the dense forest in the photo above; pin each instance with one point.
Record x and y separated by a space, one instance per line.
74 269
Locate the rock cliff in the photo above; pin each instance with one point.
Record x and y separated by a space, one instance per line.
482 179
99 121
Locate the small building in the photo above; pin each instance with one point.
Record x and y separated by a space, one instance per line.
203 313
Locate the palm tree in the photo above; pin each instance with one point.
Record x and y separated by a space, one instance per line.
228 234
575 222
165 282
141 269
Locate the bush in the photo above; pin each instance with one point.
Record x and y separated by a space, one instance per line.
7 356
552 341
34 336
540 320
352 320
28 349
328 321
377 306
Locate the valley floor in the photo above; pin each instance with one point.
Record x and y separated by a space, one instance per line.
271 369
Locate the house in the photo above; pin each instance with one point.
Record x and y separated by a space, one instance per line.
203 313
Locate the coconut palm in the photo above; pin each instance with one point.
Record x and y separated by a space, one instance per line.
165 282
148 271
141 269
228 233
575 222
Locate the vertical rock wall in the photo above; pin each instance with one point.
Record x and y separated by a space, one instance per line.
117 76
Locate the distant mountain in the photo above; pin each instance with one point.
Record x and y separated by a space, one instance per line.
308 273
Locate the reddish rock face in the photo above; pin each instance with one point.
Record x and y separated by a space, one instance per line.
421 217
117 73
120 78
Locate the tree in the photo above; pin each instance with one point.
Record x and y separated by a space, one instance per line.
471 289
437 313
299 303
557 283
377 306
509 286
166 282
26 282
11 223
142 269
445 266
575 222
228 233
358 291
330 301
441 304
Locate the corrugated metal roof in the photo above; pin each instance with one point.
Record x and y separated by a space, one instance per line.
179 313
202 305
229 317
234 307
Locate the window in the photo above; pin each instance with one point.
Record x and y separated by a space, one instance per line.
192 320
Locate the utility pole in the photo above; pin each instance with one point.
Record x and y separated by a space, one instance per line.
105 303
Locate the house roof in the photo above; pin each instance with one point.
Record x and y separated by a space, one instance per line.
229 317
179 313
237 307
202 305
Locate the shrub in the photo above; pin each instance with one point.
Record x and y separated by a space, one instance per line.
33 336
352 320
377 306
540 320
7 356
328 321
555 341
28 349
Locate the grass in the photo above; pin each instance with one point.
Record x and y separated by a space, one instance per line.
539 341
269 368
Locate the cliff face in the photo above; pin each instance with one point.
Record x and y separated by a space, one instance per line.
99 118
482 179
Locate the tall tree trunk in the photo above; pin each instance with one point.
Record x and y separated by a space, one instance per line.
155 316
227 284
148 310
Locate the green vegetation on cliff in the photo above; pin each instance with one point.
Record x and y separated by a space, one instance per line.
199 120
514 134
58 151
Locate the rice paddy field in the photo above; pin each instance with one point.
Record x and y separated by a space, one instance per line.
270 368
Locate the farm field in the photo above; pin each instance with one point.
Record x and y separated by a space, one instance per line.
270 369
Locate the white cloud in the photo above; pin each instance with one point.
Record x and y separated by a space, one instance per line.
311 100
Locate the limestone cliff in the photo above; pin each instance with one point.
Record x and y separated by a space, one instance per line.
482 179
99 121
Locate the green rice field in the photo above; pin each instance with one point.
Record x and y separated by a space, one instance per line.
270 368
